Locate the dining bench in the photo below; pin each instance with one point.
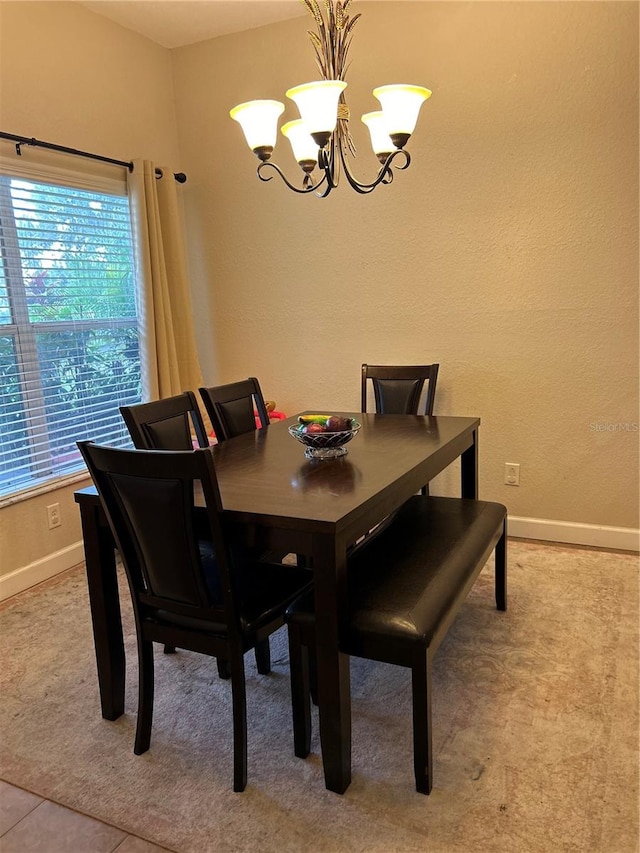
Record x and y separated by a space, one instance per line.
405 587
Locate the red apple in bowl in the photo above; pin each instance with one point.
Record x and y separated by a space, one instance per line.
314 428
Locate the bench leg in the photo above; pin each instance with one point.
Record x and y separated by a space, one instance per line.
422 752
300 702
501 570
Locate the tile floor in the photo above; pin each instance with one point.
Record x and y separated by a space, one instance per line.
29 824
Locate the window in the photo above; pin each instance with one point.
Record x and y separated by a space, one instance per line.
69 354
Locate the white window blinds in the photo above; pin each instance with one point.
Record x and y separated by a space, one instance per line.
69 353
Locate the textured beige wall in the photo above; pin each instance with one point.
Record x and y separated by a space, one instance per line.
74 78
508 252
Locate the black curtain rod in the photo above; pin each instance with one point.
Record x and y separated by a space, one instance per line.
26 140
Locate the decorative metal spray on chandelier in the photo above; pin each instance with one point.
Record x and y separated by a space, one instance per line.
321 137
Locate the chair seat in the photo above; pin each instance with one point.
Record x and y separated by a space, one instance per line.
433 546
261 590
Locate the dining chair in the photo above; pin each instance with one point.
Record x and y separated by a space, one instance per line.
397 390
167 424
203 595
232 408
403 591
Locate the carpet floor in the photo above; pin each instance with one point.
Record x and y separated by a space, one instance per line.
535 728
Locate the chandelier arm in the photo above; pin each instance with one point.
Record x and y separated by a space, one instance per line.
327 189
328 162
385 175
308 187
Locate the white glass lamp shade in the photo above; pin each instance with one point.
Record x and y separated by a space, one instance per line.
305 148
259 122
380 139
318 105
401 106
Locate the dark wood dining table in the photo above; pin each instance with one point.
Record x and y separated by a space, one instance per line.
276 498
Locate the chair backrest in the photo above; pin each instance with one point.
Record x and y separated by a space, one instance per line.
173 552
231 408
166 424
397 389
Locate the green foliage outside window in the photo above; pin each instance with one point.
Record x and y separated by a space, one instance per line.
69 354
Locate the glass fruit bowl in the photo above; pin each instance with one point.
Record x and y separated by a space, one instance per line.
324 445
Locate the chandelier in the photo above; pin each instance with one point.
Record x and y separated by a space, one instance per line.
320 138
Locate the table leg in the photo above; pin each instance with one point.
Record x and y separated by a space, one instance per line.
334 689
104 601
469 470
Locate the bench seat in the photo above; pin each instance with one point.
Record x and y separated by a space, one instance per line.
405 587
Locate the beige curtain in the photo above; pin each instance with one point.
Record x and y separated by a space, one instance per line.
167 342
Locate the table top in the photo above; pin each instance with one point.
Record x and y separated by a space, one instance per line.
265 475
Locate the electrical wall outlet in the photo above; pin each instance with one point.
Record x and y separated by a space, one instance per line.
53 516
512 473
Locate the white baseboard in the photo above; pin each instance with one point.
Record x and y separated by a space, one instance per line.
41 570
573 533
543 529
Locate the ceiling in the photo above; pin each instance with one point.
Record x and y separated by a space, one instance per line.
175 23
